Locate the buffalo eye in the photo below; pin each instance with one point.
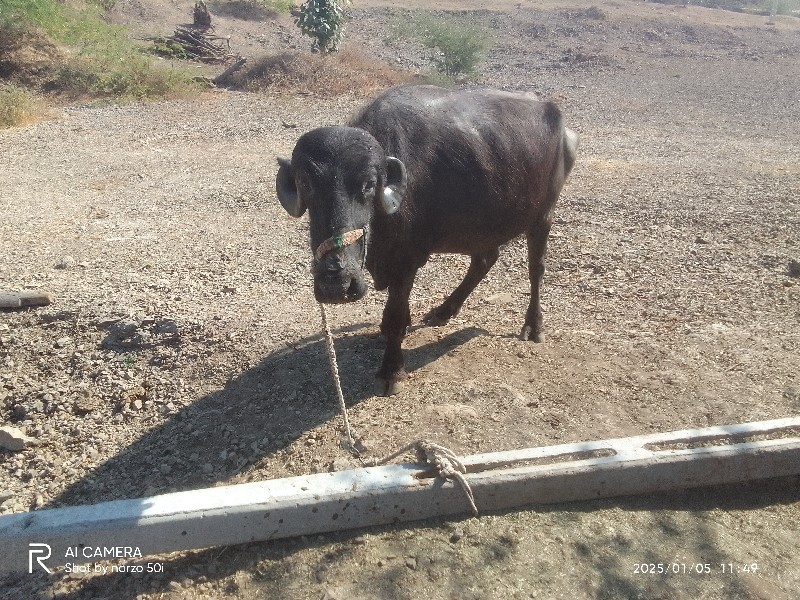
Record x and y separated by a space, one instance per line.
304 185
369 187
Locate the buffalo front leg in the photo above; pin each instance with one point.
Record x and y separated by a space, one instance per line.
396 320
478 268
537 247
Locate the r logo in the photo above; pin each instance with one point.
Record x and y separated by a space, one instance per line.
36 550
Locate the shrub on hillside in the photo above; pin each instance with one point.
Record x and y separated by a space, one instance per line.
98 59
17 105
459 47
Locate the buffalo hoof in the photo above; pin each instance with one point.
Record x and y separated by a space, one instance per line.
437 317
392 386
528 335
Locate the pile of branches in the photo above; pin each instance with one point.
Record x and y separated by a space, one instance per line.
196 41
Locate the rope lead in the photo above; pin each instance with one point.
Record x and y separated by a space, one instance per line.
443 460
349 443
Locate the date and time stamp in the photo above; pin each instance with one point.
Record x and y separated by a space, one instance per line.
690 568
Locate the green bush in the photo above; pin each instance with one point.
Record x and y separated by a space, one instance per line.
460 47
135 79
322 20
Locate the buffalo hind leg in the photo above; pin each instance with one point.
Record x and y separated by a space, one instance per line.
395 323
537 247
478 267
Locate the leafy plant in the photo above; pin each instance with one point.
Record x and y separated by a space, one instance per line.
322 20
459 47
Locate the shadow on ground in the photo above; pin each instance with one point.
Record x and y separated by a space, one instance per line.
267 407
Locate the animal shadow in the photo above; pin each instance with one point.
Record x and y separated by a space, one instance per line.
262 410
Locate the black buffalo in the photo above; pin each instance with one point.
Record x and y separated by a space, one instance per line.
423 170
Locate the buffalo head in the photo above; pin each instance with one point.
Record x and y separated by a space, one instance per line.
342 176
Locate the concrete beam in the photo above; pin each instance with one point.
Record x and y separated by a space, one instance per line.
326 502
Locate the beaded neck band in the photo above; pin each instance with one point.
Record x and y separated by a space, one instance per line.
338 242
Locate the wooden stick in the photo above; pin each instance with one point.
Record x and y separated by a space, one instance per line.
23 299
219 79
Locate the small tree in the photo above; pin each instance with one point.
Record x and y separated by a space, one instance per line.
461 47
322 20
458 48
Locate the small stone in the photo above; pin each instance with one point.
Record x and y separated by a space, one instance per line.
700 240
65 262
794 268
82 407
14 439
207 469
63 342
411 563
500 298
456 536
20 412
341 464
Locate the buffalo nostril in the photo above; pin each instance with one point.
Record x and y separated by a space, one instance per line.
356 289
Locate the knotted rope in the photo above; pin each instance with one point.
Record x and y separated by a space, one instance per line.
443 460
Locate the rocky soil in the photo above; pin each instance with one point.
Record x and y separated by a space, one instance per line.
183 347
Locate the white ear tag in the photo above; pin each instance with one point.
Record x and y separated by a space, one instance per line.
391 201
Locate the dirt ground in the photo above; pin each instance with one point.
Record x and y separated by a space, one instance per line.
183 347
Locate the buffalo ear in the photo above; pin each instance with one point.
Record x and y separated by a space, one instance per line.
287 190
396 183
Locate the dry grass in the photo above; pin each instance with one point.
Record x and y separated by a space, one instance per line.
69 50
346 72
28 57
18 106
